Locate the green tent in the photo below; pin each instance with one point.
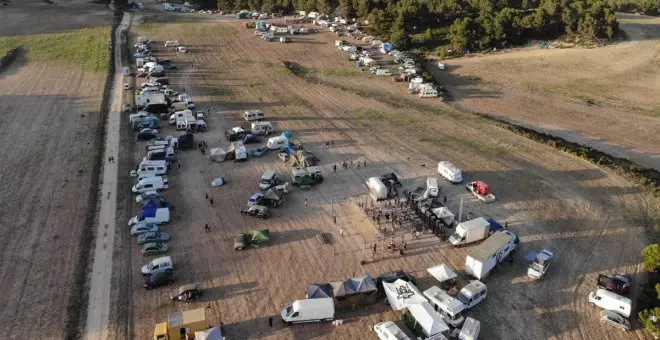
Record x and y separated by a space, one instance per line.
260 236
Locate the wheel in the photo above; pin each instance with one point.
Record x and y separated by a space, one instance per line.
289 323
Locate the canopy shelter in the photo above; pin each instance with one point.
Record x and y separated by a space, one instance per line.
442 272
317 291
209 334
258 236
430 321
340 289
364 284
217 155
402 294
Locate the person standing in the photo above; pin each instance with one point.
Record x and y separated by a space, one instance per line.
305 202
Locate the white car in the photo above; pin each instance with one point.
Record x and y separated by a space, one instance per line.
540 266
614 319
142 228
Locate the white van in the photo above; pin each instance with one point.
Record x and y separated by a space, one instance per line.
179 115
450 172
473 293
251 115
388 330
309 310
262 128
377 189
268 179
156 265
152 216
448 307
150 169
470 330
156 183
383 72
611 301
172 43
432 189
275 143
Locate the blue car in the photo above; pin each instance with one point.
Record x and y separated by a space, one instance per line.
255 199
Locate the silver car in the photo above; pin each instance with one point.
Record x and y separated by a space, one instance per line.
142 228
159 236
614 319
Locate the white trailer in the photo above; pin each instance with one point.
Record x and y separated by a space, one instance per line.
470 231
450 172
377 189
484 257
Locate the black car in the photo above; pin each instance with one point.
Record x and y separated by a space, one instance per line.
146 134
159 278
187 292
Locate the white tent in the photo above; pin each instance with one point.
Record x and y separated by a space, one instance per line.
402 294
209 334
217 154
430 321
442 272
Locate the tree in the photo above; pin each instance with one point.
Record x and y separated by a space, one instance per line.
459 33
651 255
650 318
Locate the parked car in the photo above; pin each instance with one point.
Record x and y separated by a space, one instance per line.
159 278
614 319
142 228
158 236
154 248
258 211
147 134
540 265
619 283
255 199
187 292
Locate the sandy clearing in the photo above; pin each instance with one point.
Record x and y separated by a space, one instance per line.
98 307
601 97
551 199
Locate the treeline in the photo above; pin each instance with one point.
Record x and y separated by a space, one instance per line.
460 24
649 7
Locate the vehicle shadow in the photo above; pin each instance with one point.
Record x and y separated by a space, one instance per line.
227 291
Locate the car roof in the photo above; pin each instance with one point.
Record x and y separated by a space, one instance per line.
151 244
161 273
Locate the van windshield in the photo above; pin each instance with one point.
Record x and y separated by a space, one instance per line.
463 298
289 310
265 180
456 237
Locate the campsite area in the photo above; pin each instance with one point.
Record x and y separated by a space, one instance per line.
549 199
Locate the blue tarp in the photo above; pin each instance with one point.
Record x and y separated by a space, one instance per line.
494 226
387 47
318 291
287 134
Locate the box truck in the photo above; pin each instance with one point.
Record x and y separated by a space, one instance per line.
481 259
309 310
470 231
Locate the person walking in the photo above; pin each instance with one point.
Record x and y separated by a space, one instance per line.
364 164
305 202
270 321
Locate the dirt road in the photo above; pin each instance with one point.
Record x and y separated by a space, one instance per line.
99 292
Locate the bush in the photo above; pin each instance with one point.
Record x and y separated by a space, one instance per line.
650 318
651 255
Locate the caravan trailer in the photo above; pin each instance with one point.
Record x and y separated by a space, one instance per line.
450 172
377 189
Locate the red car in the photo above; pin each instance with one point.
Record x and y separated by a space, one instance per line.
619 283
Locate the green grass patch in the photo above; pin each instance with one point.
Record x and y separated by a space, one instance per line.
335 72
86 48
155 27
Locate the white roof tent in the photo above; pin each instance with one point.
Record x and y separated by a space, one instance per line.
402 294
442 272
430 321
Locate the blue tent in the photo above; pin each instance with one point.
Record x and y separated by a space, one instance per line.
287 134
494 226
317 291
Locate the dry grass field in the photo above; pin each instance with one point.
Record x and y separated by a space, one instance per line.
50 97
550 199
603 97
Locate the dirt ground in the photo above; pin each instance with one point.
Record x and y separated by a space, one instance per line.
602 97
48 121
550 199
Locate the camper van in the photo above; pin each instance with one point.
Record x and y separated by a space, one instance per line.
383 72
275 143
251 115
611 301
428 92
432 189
473 293
157 265
450 172
156 183
179 115
309 310
262 128
389 330
150 169
448 307
377 189
160 155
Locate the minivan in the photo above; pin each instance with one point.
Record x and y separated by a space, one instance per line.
611 301
251 115
268 179
157 265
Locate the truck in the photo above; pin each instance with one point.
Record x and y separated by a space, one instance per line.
306 177
181 325
470 231
309 310
480 190
481 259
